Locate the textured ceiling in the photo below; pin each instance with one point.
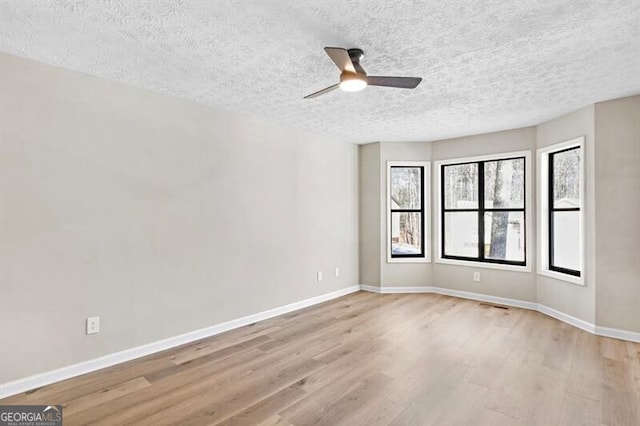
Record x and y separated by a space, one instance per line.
486 65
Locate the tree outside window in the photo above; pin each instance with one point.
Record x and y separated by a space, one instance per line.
406 211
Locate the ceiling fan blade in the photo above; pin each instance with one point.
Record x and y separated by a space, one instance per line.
341 57
323 91
399 82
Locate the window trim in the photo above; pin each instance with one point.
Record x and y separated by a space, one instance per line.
475 262
426 213
544 211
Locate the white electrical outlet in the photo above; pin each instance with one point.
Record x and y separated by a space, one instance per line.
337 272
476 277
319 277
93 325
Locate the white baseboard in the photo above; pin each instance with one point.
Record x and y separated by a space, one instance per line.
576 322
394 290
369 288
455 293
615 333
486 298
42 379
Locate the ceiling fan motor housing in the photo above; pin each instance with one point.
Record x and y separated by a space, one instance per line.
356 55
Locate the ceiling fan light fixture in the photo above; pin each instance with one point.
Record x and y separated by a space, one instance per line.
353 78
350 82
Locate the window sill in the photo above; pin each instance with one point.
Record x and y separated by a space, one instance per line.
562 277
486 265
408 260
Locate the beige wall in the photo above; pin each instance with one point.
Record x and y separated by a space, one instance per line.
485 144
575 300
611 294
617 187
510 284
369 218
400 274
159 215
374 268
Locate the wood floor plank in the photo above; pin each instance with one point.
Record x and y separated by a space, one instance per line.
580 411
89 401
207 348
168 390
412 415
337 411
266 408
213 352
493 418
210 406
559 353
370 359
536 400
70 389
454 413
587 371
620 404
275 420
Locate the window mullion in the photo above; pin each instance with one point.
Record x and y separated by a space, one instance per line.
481 210
423 249
442 213
460 210
566 209
550 213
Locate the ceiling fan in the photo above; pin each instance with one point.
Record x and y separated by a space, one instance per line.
353 78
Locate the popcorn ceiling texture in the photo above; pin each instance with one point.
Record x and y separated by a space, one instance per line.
486 66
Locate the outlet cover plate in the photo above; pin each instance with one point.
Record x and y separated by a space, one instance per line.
93 325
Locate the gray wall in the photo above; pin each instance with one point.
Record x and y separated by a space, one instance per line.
369 191
159 215
617 186
400 274
374 268
611 294
515 285
575 300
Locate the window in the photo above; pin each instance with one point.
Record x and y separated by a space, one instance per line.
564 211
482 214
407 236
561 211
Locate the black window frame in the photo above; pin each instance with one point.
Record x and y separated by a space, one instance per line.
481 210
552 209
422 253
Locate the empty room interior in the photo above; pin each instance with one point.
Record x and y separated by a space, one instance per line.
320 212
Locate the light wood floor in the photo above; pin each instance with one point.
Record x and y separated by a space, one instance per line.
371 359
